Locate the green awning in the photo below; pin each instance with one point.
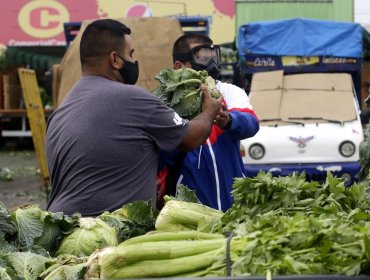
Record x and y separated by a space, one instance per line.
38 58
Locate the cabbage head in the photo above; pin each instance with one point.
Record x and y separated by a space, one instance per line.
42 228
66 267
180 90
92 234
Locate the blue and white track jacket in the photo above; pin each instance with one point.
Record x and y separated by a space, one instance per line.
211 168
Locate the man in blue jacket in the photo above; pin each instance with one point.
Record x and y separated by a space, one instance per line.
210 169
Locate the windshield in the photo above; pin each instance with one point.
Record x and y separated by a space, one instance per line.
276 122
307 98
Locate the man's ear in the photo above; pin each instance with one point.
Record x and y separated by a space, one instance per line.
178 65
115 61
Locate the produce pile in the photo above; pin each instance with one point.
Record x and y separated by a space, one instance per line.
229 56
37 244
180 90
277 225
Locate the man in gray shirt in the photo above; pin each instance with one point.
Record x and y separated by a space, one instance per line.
102 143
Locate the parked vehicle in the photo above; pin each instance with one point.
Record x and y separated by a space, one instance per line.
309 122
305 89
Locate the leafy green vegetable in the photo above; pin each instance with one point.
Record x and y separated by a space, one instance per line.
183 193
180 90
132 219
284 225
293 194
162 254
228 55
94 262
8 230
42 228
92 234
181 215
26 265
6 246
301 244
4 274
67 267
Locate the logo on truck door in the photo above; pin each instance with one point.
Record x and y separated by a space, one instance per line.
301 141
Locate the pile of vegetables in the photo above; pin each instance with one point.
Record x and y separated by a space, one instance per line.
37 244
277 225
180 90
229 56
280 225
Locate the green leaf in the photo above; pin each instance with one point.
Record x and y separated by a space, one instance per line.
67 267
27 265
7 227
183 193
42 228
180 89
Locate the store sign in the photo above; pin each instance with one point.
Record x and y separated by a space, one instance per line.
40 22
43 19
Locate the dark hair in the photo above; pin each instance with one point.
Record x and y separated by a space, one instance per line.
102 37
182 44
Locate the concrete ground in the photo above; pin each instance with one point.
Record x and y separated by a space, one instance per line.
20 181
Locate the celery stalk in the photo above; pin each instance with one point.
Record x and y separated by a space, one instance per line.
167 236
160 268
178 214
163 250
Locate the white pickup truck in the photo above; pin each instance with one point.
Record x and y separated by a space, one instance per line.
308 122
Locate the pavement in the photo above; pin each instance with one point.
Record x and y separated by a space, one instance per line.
20 181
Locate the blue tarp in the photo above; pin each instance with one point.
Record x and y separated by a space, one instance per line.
301 37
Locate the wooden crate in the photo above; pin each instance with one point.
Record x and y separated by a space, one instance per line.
12 92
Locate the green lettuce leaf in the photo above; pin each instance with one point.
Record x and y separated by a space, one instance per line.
133 219
67 267
180 90
42 228
26 265
8 229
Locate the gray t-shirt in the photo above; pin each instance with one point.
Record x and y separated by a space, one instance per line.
102 146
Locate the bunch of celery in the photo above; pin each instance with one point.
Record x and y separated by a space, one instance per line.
284 245
181 215
166 254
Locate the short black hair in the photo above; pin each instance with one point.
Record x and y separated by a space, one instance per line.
182 44
102 37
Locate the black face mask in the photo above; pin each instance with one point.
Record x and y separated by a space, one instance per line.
212 67
129 72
